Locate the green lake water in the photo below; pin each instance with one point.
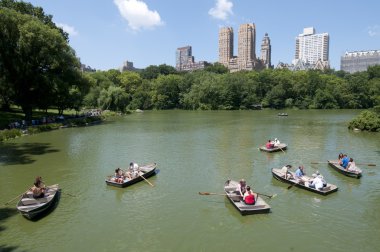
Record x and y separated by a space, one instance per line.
196 151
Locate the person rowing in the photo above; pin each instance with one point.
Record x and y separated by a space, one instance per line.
38 188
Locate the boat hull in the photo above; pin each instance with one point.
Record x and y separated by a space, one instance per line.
260 206
334 164
277 174
151 171
281 147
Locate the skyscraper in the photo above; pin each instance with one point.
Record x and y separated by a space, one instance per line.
266 51
246 46
183 57
226 45
312 48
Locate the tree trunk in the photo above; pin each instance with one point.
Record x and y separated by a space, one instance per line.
28 112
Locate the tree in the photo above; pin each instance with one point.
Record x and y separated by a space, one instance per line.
216 68
35 60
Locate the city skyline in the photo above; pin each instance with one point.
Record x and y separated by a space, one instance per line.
105 34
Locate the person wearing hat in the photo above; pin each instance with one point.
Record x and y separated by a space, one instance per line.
286 172
317 182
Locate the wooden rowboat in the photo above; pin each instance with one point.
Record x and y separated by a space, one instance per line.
282 114
274 149
32 208
230 187
336 166
279 175
146 171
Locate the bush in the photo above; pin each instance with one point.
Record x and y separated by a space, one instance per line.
367 120
9 134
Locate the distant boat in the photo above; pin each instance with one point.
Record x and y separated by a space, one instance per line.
32 208
336 166
282 114
146 171
279 175
274 149
230 187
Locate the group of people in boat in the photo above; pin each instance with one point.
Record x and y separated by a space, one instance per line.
132 172
272 143
347 163
244 190
317 181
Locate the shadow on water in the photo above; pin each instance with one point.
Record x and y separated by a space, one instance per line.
4 248
6 213
13 154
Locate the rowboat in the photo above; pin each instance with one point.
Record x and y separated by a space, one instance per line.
279 175
280 147
282 114
32 208
336 166
146 171
231 187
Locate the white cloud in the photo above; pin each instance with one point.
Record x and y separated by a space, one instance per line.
373 30
221 10
69 29
137 14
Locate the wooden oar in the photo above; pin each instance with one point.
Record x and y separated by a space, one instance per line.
146 180
281 149
224 194
336 163
18 196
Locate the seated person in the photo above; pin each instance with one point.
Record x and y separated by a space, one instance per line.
269 144
242 187
351 166
38 188
340 157
299 174
285 171
276 142
344 161
249 197
119 178
134 169
316 183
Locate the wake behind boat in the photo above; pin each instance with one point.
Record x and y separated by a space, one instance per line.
260 206
145 171
357 173
279 175
32 208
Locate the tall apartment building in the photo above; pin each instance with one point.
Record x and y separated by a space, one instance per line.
266 51
246 46
359 61
185 60
246 58
226 45
312 48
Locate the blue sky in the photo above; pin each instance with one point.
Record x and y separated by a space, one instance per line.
105 33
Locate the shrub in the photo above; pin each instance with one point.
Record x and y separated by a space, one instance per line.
367 120
9 134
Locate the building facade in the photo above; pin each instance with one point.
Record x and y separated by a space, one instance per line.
185 60
266 52
226 45
246 57
359 61
312 48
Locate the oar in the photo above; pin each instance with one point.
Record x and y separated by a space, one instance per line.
224 194
336 163
18 196
146 180
296 183
281 149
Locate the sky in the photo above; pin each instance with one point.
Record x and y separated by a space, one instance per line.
106 33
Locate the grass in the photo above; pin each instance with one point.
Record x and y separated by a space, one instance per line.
16 114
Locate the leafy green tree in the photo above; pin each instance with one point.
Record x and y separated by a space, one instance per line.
216 68
113 98
165 91
367 120
130 81
35 60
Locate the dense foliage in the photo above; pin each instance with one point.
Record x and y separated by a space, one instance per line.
367 120
38 69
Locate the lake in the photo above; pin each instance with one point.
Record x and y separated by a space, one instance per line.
196 151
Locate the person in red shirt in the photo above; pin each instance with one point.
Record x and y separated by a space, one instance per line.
249 197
